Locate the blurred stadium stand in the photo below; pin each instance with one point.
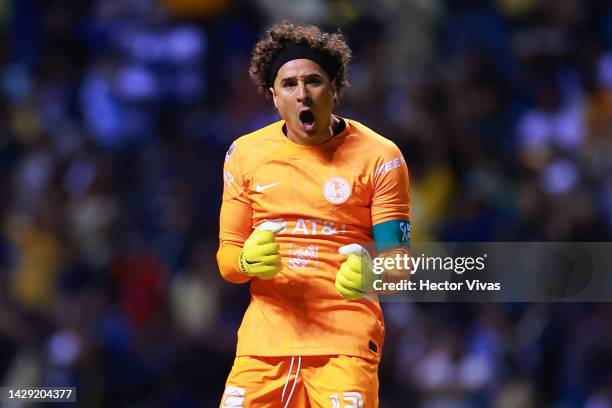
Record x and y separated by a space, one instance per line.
114 119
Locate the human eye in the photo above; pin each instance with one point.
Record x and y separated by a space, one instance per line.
314 80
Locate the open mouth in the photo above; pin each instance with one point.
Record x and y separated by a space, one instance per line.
307 118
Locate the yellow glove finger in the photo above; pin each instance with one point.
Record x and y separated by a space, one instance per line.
261 264
355 263
261 237
271 259
254 253
270 248
354 277
264 271
260 255
347 293
348 277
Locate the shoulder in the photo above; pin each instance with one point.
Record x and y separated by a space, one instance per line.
370 140
261 139
255 146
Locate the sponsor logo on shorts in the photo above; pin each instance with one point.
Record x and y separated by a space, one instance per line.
233 397
347 400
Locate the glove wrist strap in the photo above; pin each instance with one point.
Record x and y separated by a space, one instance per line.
242 263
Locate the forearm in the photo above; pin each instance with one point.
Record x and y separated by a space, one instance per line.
227 258
234 230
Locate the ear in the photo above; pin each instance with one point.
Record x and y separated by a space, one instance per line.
271 89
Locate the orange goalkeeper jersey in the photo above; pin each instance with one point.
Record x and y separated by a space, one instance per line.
326 196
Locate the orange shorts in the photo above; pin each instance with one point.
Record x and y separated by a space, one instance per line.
307 381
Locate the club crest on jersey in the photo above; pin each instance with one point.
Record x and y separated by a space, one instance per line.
337 190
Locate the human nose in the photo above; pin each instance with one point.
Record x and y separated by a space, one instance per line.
302 93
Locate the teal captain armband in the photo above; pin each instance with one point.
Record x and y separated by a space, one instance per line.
391 234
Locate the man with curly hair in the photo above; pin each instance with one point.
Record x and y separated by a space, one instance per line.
299 195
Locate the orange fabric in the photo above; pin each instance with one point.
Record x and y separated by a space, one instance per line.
327 196
235 214
227 257
320 381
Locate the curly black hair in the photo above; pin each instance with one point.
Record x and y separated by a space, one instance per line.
279 35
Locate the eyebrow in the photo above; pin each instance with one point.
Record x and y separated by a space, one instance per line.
307 76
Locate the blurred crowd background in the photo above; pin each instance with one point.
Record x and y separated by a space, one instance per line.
114 119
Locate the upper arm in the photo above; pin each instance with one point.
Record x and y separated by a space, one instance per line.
391 201
235 220
390 183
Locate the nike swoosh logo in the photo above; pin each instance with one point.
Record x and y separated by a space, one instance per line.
259 188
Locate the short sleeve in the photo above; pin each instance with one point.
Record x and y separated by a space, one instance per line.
390 197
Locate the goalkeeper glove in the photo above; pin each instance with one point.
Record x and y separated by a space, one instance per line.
259 256
355 277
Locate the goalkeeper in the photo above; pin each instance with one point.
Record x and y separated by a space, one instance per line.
300 197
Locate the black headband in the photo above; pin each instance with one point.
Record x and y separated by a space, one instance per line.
302 51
